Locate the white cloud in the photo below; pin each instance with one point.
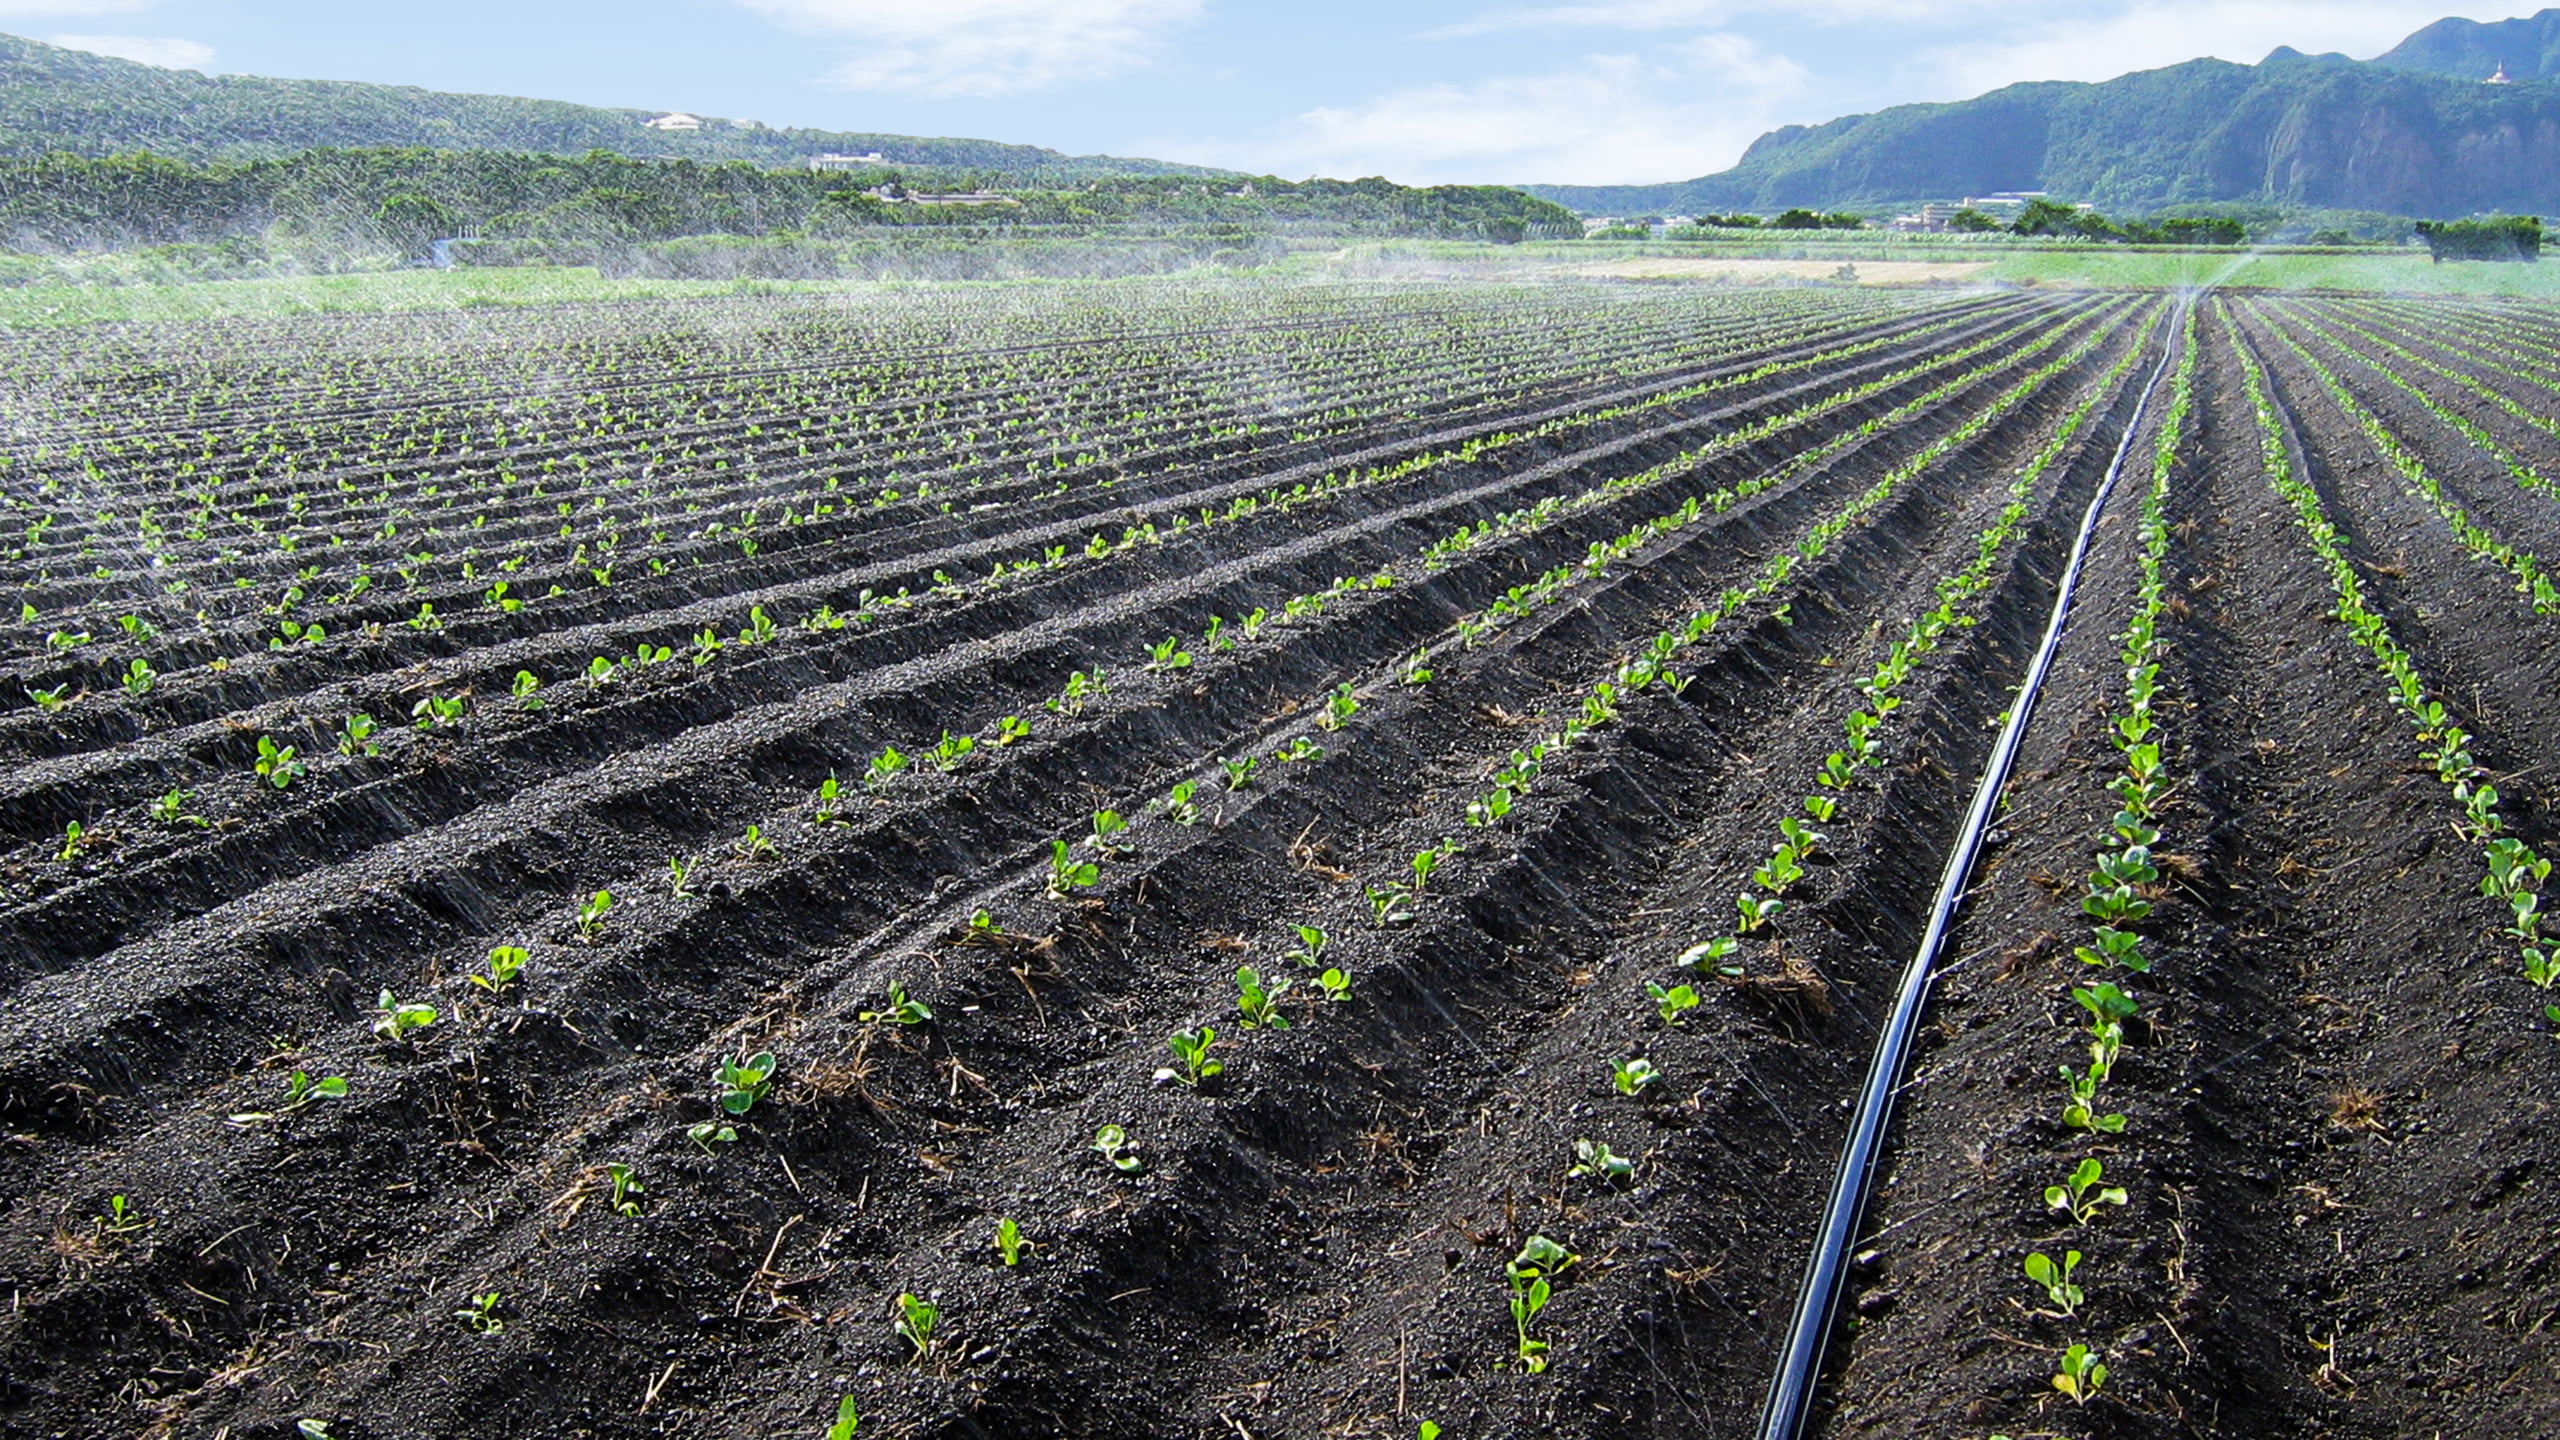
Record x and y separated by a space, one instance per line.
1680 110
15 9
985 47
166 52
2099 42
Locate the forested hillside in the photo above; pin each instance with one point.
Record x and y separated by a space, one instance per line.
57 100
2307 131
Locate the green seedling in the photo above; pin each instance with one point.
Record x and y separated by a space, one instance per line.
2079 1102
2106 1003
1259 1000
754 845
848 1420
707 1133
1111 1142
1309 950
627 1189
1491 808
481 1315
1191 1056
1429 1431
680 876
1709 952
356 736
2083 1192
2080 1375
1108 825
121 1218
1299 751
1169 655
1595 1159
1390 904
139 677
2114 947
1215 636
902 1009
1417 668
1756 911
915 1321
1633 1077
1671 1004
1426 863
438 712
591 914
1240 772
1531 1273
51 701
830 801
1339 707
1011 728
299 1090
76 837
1068 874
2056 1279
1009 1241
743 1080
396 1021
889 762
276 763
1821 808
523 688
1336 985
1179 806
950 750
506 962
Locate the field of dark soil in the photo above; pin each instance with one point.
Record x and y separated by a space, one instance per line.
1220 860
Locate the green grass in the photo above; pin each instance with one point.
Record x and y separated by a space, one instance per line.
2384 271
365 294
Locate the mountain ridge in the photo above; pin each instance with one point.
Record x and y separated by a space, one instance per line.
2411 137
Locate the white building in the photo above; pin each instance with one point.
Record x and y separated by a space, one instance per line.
676 121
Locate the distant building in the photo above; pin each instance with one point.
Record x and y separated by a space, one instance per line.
2502 77
847 162
677 121
2002 204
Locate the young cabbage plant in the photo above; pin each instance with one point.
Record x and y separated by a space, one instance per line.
139 677
1240 772
1531 1273
1192 1063
2080 1375
438 712
1339 707
680 877
355 736
902 1009
300 1089
1067 873
830 806
707 1133
1011 728
1390 904
523 688
76 837
171 809
2079 1103
742 1081
506 962
1711 952
1179 807
1335 982
1595 1159
2084 1191
1309 951
1672 1003
754 845
627 1189
1108 826
1633 1077
1009 1242
950 750
397 1021
1299 751
591 913
915 1323
276 764
1168 655
2056 1280
889 763
1111 1142
481 1315
1259 1000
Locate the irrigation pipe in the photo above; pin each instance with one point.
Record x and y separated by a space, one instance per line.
1791 1390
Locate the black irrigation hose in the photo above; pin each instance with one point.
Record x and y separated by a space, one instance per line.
1791 1390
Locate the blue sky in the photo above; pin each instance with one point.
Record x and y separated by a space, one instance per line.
1436 91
